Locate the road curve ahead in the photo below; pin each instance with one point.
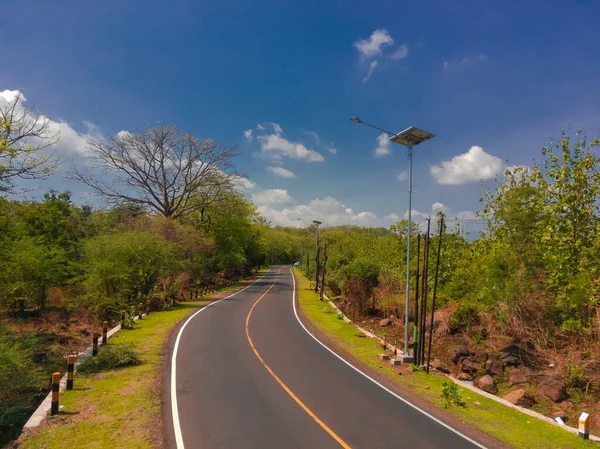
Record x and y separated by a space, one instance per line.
245 374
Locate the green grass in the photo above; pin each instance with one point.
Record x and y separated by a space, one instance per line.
503 423
119 408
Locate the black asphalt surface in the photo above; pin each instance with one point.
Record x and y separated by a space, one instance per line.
227 399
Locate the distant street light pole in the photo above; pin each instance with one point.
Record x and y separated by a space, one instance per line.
317 223
409 137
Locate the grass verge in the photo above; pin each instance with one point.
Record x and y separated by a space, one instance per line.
503 423
118 408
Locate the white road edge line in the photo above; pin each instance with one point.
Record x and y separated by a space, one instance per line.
373 380
174 409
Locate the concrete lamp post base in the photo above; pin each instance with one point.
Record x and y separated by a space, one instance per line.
407 358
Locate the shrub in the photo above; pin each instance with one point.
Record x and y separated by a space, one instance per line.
463 317
109 358
451 396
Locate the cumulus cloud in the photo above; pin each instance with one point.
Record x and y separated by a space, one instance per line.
474 165
248 135
71 142
331 211
384 146
244 183
332 150
271 197
400 53
277 146
282 172
402 176
372 46
371 50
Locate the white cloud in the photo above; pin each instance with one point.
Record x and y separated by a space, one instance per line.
277 146
332 150
276 128
437 206
248 135
372 66
260 127
474 165
315 136
280 171
465 62
400 53
402 176
244 183
372 46
71 142
271 197
371 50
383 145
331 211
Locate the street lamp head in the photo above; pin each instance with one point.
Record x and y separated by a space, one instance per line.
317 222
411 136
355 119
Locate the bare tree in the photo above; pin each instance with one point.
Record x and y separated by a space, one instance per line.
24 135
164 169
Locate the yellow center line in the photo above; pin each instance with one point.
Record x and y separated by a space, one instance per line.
280 382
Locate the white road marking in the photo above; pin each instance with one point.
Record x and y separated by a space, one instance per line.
174 409
373 380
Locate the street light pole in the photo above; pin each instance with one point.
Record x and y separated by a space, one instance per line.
409 137
317 223
410 154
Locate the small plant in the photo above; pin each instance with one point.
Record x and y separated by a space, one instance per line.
451 396
109 358
340 316
478 339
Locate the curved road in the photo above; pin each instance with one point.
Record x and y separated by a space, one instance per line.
248 375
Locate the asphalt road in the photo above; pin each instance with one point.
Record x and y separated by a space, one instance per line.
248 375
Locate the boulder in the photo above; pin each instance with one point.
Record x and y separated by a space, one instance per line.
514 355
461 351
465 377
494 356
519 377
385 322
494 368
468 365
520 397
480 357
566 405
440 366
487 384
553 388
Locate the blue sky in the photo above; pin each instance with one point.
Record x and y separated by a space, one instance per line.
502 76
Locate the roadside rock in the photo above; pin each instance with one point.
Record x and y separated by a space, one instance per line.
494 368
553 388
514 355
440 366
487 384
465 377
566 405
519 377
520 397
385 322
461 351
595 422
469 365
480 357
558 413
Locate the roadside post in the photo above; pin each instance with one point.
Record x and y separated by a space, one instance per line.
70 371
584 426
95 344
384 355
140 310
147 307
104 332
55 393
123 312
